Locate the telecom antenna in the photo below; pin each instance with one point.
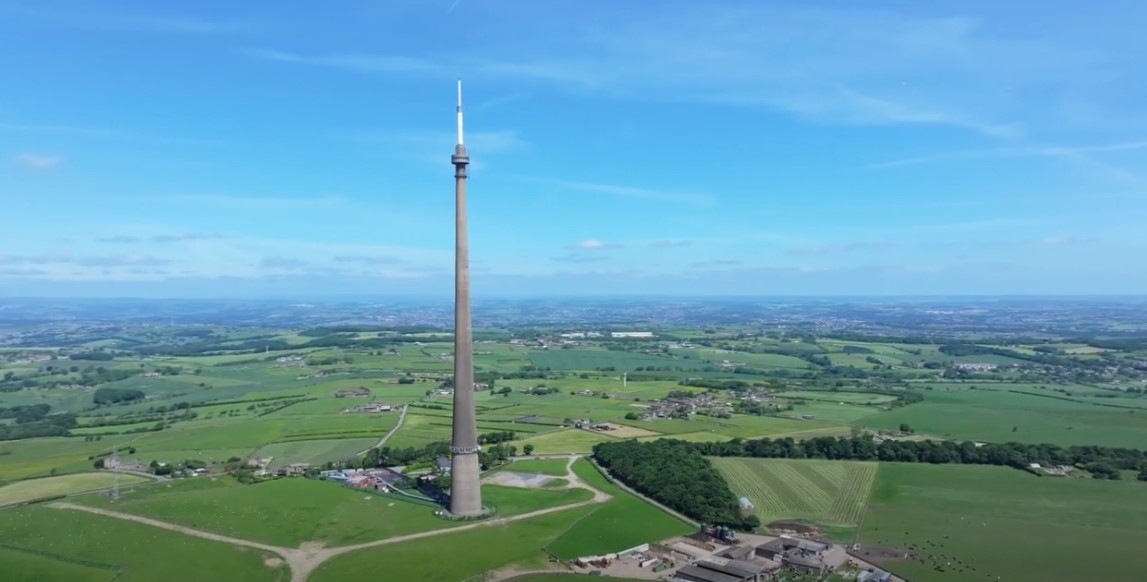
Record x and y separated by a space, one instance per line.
465 494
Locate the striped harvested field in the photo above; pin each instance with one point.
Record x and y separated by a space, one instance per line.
828 493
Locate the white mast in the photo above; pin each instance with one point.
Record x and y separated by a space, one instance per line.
460 112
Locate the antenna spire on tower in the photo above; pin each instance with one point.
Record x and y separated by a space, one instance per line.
459 111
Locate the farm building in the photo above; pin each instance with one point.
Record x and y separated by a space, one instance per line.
731 571
442 465
874 576
805 556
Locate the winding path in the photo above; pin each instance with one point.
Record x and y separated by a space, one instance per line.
304 559
390 433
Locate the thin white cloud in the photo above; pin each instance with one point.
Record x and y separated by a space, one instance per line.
630 192
38 162
156 24
435 142
352 62
592 244
1024 152
253 202
576 258
670 244
159 238
1058 240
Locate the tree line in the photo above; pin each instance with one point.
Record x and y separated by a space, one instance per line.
677 476
865 448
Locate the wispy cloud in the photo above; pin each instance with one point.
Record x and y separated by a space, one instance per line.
282 263
670 244
85 261
1020 152
717 263
498 101
435 142
842 65
1058 240
631 192
833 249
157 24
252 202
38 162
367 260
592 245
575 258
159 238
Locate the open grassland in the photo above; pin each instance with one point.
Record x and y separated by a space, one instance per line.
595 359
556 467
68 543
995 416
571 577
22 491
828 493
288 512
570 440
471 553
25 566
844 397
998 522
313 452
621 523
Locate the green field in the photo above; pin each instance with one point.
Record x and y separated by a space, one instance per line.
43 544
621 523
828 493
473 552
556 467
1004 523
997 416
570 440
22 491
313 452
288 512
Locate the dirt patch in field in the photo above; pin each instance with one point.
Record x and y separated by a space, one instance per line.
273 562
628 432
880 554
524 480
794 527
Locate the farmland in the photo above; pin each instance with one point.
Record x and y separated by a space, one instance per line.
1005 523
44 543
827 493
219 395
22 491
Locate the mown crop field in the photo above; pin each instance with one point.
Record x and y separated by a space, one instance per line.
828 493
46 544
994 522
22 491
556 467
570 440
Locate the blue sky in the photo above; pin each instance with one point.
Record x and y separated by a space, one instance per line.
220 148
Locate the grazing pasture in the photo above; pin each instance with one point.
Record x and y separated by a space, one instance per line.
828 493
991 522
570 440
555 467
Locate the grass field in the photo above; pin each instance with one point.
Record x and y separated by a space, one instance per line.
313 452
828 493
50 543
570 440
556 467
621 523
1006 523
571 577
992 415
472 552
288 512
22 491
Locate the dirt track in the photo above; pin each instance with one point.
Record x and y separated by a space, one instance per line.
309 555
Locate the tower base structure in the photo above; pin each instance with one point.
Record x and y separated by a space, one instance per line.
465 491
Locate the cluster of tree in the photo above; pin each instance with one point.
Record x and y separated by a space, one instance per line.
864 448
26 414
203 348
329 361
50 425
850 349
102 375
105 395
93 356
677 476
734 385
493 438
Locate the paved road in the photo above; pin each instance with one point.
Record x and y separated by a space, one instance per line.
304 559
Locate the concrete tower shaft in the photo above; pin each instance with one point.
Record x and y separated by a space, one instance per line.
465 492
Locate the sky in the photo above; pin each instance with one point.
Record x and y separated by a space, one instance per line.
816 147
